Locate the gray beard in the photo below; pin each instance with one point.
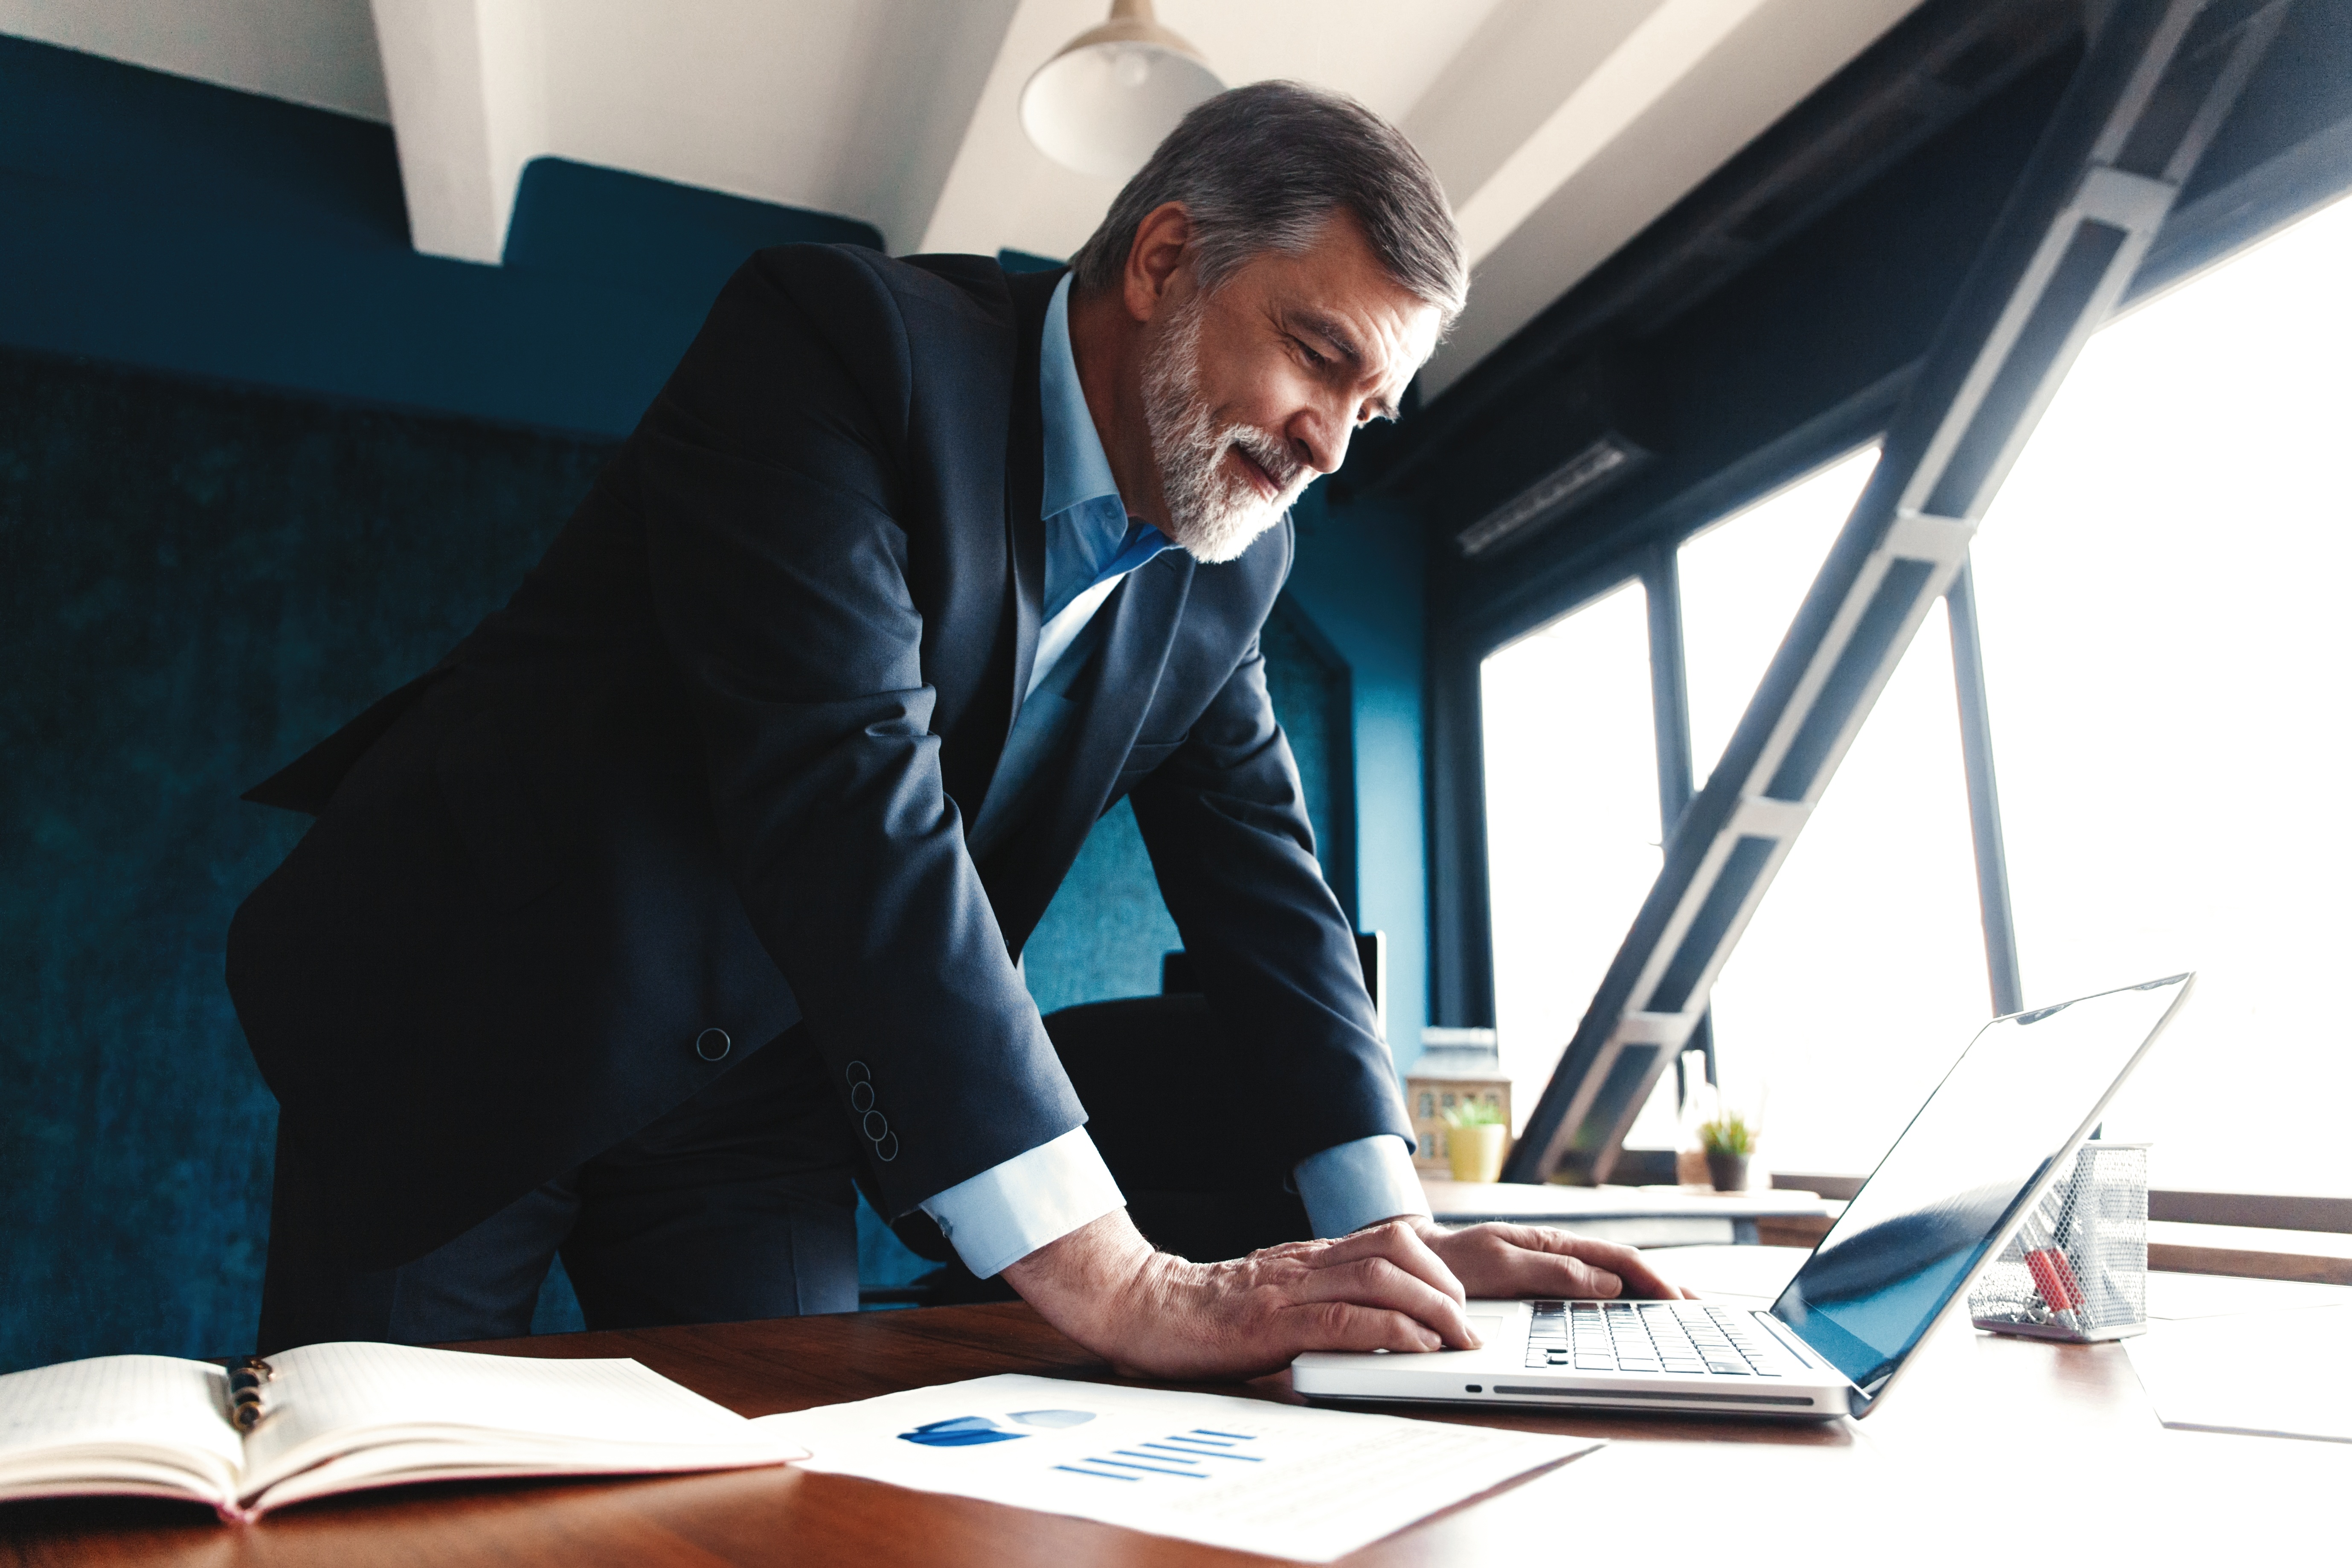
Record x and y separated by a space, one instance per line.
1213 516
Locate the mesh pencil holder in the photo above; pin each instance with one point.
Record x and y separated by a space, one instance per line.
2077 1268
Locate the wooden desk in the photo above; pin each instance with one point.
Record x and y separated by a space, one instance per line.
1991 1450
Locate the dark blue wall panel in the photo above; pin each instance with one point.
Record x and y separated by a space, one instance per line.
161 222
197 582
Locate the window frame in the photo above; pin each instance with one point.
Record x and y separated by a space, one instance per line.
1462 976
1651 556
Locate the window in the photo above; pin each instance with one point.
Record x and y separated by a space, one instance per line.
2162 589
1862 972
1571 820
1742 580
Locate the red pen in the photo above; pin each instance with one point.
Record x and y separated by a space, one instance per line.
2052 1275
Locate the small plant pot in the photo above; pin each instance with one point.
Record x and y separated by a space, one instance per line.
1476 1152
1728 1171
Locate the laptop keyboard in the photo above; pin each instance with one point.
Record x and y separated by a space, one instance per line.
1655 1336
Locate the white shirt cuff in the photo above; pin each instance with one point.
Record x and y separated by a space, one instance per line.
1351 1185
1009 1211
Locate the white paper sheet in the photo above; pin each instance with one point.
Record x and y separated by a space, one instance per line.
1274 1478
2277 1375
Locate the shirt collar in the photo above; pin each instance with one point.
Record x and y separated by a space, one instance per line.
1077 471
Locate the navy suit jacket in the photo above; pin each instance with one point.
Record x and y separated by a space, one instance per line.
710 769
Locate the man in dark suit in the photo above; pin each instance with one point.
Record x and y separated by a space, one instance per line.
689 889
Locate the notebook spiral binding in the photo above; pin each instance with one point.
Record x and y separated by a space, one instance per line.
247 1377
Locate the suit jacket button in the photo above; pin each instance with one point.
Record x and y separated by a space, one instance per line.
712 1045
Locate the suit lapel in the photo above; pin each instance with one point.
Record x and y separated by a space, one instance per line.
1139 628
1024 483
974 660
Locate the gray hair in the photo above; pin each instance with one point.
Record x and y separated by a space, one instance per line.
1264 167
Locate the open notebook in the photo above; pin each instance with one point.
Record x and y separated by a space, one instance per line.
341 1418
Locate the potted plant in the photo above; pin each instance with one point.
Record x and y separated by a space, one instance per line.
1476 1138
1729 1139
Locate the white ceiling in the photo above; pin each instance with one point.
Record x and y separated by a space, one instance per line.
1560 127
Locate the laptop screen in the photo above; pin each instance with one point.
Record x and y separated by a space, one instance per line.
1919 1230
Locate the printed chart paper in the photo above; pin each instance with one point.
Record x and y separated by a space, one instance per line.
2271 1374
1278 1480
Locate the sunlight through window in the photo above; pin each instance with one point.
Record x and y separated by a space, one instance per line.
1571 820
2162 589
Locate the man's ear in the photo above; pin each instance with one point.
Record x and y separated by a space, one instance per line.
1156 258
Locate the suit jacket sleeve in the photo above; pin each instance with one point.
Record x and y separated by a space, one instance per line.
770 474
1226 822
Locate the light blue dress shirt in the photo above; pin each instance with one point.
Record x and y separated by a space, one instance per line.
1009 1211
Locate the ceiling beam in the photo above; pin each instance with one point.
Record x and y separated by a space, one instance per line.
1676 97
467 82
1000 189
1604 63
915 111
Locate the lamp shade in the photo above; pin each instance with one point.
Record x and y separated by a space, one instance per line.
1103 103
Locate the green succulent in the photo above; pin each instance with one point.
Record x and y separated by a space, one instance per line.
1729 1133
1475 1113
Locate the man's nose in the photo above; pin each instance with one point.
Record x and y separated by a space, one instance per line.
1320 440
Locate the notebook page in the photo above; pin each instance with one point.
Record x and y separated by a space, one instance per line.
139 1410
406 1463
328 1399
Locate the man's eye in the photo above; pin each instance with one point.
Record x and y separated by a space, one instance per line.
1314 358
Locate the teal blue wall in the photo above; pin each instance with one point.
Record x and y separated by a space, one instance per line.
197 582
1360 579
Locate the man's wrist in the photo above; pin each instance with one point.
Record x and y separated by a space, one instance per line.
1082 1282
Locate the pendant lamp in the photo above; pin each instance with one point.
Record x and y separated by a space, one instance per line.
1113 93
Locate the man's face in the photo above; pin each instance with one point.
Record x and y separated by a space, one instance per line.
1252 391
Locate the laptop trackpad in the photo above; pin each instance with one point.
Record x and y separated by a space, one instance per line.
1492 1328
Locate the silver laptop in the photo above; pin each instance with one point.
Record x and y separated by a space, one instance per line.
1973 1163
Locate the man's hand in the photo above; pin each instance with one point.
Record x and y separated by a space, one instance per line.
1509 1262
1153 1314
1398 1285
